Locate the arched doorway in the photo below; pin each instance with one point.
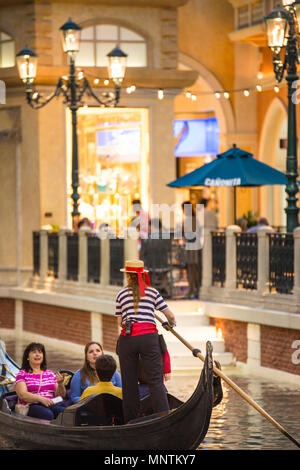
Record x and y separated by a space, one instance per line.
208 104
272 150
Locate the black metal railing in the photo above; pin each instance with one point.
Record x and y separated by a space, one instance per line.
281 263
36 253
53 254
246 260
116 249
72 256
94 257
218 258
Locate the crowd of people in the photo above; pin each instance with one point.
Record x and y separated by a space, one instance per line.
144 360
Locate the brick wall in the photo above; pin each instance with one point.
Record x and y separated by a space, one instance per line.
276 348
57 322
110 332
235 337
7 313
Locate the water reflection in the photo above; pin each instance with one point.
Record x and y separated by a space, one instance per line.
235 425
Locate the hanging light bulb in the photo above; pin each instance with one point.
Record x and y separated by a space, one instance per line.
218 95
194 97
246 92
96 81
276 89
259 87
226 95
160 94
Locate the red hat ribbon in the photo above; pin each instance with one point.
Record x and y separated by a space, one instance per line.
139 272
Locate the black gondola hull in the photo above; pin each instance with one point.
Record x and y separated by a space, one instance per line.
181 429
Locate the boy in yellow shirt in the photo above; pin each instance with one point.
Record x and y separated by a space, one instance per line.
105 368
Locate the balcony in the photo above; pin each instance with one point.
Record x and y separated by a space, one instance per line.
249 20
255 269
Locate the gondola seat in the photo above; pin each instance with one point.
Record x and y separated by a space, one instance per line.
95 410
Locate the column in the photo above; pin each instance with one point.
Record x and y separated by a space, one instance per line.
296 234
19 317
43 254
62 255
263 259
231 230
207 260
105 261
83 255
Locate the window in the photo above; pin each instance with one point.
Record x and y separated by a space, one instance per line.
7 50
98 40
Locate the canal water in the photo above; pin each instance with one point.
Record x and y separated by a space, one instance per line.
235 425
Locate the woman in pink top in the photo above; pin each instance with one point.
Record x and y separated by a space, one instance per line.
37 385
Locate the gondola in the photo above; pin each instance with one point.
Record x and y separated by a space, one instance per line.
85 425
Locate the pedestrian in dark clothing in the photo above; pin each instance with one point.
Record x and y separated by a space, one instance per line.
135 305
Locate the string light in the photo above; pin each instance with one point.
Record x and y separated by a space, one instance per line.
226 95
246 92
259 88
160 94
194 97
96 81
218 95
276 89
106 82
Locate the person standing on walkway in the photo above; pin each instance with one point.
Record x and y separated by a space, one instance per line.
135 305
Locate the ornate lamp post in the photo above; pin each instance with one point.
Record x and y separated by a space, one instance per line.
282 26
72 88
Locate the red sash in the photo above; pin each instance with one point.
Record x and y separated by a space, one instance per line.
140 328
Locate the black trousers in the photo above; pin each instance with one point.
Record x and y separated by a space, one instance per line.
130 348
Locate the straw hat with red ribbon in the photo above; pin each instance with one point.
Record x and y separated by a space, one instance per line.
137 266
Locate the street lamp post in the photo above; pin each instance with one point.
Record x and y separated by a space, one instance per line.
72 88
282 26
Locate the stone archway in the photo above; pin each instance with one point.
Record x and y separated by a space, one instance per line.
274 128
207 84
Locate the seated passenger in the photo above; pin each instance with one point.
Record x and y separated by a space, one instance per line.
87 376
105 368
37 386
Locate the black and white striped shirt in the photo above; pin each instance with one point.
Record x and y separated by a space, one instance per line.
145 312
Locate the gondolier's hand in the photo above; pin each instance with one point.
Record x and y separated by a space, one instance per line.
170 317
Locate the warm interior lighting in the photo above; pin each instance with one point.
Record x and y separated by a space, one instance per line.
218 95
259 87
226 95
219 333
246 92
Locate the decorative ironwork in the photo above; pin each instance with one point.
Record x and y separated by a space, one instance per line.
218 258
94 258
281 263
156 254
246 260
53 254
72 256
116 248
36 253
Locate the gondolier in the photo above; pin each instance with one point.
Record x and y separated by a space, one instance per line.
135 305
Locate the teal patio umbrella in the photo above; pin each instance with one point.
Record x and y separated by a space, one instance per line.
235 167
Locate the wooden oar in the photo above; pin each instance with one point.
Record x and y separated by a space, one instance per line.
197 353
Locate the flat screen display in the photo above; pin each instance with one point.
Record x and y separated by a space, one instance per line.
196 137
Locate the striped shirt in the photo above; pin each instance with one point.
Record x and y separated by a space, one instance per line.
145 312
33 383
